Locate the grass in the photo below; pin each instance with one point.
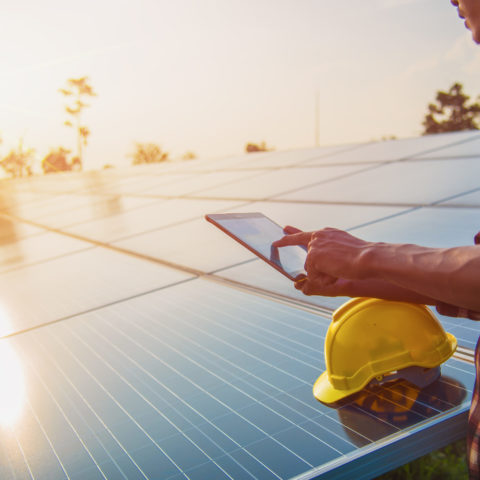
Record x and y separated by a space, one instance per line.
448 463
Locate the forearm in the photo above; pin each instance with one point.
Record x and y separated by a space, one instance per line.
449 275
382 289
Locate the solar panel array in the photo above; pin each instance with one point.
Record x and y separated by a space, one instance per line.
144 343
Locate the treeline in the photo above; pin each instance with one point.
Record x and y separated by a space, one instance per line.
451 111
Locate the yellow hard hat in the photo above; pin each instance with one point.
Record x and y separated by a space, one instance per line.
372 339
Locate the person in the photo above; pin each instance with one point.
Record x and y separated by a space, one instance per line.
340 264
469 10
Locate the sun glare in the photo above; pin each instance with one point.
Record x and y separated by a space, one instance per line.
12 386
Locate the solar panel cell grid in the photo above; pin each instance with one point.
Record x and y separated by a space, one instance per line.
200 182
464 148
131 392
468 200
396 149
135 370
144 184
292 157
39 248
434 227
12 231
402 183
75 283
53 205
106 207
150 217
275 182
308 216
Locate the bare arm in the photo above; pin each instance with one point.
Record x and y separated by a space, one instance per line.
392 271
451 275
363 288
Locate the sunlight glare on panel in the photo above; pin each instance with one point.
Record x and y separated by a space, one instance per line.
5 321
12 386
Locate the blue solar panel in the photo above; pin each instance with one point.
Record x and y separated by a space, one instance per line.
134 366
219 386
399 183
67 285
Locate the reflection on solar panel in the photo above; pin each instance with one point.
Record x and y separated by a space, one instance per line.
143 343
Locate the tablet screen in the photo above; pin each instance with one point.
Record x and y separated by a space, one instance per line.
257 232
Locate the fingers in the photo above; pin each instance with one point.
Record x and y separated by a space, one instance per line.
299 281
447 310
300 238
294 236
288 230
454 311
322 284
473 315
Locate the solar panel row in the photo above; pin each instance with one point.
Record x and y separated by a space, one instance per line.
131 366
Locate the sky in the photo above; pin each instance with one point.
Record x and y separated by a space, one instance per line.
209 76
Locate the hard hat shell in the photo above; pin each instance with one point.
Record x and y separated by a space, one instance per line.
369 338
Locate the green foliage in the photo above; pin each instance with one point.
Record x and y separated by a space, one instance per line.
257 147
451 112
18 162
148 153
448 463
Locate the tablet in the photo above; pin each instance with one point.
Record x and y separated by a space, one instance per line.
257 232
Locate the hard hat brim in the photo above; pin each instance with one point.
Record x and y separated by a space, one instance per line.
325 393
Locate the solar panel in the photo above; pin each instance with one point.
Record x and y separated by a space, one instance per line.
39 248
309 215
201 181
94 210
395 150
219 387
146 218
464 148
274 182
402 183
290 158
433 227
146 344
468 199
11 231
67 285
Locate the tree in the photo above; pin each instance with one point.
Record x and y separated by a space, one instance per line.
57 161
78 89
451 112
148 153
257 147
18 162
